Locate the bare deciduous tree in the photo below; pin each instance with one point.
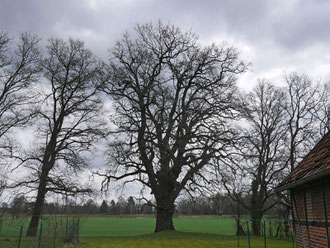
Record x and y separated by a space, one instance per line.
68 121
302 106
174 101
263 147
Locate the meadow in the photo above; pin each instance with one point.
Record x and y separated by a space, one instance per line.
124 232
126 226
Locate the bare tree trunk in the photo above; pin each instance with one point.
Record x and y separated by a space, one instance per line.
256 221
165 211
33 226
286 223
256 206
256 227
239 230
164 219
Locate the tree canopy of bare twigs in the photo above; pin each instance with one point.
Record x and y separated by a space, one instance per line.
303 104
174 101
19 67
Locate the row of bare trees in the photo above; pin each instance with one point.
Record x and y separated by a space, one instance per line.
178 123
281 125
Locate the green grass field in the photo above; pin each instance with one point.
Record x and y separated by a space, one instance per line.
114 227
105 231
105 226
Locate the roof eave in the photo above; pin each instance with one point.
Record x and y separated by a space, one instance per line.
323 173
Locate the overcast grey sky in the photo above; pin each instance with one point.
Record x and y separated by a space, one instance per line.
276 36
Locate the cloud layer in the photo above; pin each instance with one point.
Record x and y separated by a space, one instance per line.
276 36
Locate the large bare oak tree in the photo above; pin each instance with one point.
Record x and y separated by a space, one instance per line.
174 100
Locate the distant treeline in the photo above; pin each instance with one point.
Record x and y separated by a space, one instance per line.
20 206
215 205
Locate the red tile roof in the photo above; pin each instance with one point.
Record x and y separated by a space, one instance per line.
317 160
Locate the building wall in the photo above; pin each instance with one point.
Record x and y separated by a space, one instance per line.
310 216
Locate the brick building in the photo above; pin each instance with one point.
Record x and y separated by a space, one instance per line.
309 185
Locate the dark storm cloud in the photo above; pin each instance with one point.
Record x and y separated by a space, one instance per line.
271 34
304 24
290 24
